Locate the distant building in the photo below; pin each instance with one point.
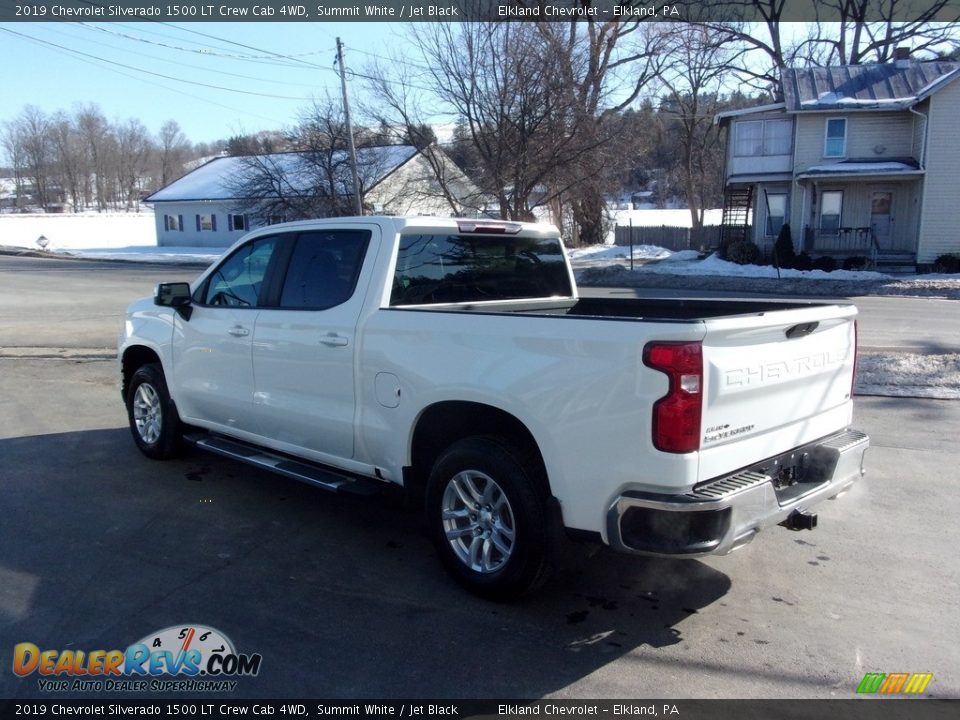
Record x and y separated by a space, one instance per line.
860 160
201 208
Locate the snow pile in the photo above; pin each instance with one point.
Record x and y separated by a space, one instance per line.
618 252
669 217
909 375
687 264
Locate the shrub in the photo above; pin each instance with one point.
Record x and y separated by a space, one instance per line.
802 262
947 264
743 252
825 263
856 262
783 252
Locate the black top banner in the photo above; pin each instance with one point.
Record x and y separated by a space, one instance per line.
469 10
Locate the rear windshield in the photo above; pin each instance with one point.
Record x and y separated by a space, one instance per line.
477 268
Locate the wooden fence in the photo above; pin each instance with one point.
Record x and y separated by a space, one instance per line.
670 237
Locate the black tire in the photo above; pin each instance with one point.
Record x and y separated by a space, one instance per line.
499 550
154 422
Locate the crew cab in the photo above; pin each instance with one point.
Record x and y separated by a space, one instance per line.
456 358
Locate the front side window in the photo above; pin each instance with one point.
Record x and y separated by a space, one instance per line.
835 144
238 281
475 268
323 269
831 205
776 212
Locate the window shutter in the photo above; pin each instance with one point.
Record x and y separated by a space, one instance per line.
213 221
198 223
180 223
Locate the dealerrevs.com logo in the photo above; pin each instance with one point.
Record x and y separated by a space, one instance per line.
182 658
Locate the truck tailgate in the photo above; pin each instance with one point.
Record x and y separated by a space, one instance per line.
774 381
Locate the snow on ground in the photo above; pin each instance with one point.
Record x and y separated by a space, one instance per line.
669 217
909 375
617 252
102 236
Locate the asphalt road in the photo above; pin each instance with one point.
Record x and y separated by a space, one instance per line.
343 597
86 311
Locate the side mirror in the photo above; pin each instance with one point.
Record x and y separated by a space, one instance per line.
175 295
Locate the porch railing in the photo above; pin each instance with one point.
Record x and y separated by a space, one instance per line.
843 241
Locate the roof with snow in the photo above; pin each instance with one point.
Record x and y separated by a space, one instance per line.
853 168
886 86
216 179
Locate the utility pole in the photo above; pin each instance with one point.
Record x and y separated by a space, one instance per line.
358 203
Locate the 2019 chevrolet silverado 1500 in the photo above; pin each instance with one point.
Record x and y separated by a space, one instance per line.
455 358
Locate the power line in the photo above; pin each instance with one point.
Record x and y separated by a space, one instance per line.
160 85
197 67
150 72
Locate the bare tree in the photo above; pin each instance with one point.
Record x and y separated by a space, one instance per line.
699 58
172 149
842 32
134 149
100 142
70 158
33 128
12 143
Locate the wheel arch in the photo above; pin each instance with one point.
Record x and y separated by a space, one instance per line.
443 423
134 358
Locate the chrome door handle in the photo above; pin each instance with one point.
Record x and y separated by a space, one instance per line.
238 331
333 340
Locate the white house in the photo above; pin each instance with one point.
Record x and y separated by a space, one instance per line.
859 160
201 209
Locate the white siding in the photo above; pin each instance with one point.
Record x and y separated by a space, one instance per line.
189 237
940 229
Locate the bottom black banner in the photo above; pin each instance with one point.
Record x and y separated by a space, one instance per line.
859 709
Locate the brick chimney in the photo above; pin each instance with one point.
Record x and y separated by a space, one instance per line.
901 56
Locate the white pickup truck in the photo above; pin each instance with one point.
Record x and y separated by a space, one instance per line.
455 358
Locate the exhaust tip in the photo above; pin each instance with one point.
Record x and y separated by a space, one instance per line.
800 519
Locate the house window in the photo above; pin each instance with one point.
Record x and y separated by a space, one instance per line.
173 223
777 138
776 212
831 204
237 223
835 144
763 137
206 223
749 140
276 219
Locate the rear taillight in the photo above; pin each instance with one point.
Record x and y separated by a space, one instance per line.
676 416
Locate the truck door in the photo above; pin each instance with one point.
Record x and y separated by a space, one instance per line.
213 366
304 348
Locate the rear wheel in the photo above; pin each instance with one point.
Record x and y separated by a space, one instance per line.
487 517
153 417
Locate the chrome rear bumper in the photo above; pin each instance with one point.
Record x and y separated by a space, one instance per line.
725 513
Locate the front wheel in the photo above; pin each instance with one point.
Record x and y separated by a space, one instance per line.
153 417
488 519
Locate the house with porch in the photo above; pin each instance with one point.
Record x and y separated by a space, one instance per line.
860 160
205 207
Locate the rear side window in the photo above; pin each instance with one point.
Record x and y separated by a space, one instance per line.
476 268
323 269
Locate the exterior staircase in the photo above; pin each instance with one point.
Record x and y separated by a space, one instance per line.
894 263
735 223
